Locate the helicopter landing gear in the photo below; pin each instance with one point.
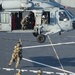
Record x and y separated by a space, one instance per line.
59 33
35 34
41 38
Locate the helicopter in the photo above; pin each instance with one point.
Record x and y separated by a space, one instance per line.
50 17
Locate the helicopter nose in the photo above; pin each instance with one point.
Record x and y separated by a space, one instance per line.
73 24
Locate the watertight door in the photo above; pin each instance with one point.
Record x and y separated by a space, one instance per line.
5 21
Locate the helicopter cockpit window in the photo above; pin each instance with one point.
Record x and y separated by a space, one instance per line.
62 16
45 18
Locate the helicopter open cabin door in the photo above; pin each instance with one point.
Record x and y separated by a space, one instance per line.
5 21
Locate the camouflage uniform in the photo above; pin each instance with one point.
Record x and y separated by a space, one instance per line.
39 72
20 43
44 20
19 72
24 22
16 55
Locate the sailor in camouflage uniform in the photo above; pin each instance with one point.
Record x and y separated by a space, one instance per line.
39 72
19 72
20 45
20 42
24 22
16 55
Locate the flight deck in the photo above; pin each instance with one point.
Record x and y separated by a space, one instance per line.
56 56
36 55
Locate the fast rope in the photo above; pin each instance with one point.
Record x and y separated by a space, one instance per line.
56 53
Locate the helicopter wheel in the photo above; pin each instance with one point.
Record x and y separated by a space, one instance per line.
35 34
41 38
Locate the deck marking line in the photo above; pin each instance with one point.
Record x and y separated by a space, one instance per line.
46 45
33 71
48 72
61 73
46 65
8 69
23 70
